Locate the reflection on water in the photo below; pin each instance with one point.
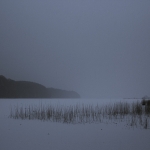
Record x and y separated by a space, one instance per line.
134 114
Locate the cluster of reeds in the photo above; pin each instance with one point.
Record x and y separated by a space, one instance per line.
145 102
135 114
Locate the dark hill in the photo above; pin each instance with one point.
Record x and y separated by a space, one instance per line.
58 93
25 89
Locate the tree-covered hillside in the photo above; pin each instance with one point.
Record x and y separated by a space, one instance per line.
25 89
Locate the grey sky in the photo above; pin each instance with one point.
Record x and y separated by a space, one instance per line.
98 48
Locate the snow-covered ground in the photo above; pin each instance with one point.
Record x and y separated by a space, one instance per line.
17 134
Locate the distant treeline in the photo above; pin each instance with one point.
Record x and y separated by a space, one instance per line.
25 89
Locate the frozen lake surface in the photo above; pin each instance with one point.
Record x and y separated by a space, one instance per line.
17 134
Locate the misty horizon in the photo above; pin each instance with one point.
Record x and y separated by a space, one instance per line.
145 96
99 49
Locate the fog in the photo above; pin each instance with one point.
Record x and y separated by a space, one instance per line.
101 49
